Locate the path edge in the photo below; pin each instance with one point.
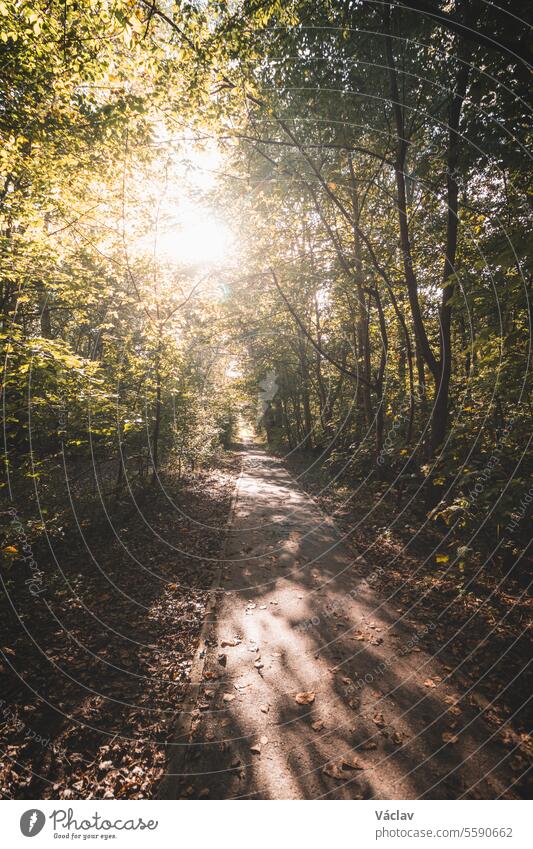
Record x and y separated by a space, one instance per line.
181 733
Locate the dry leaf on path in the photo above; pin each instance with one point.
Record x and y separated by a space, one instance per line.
334 770
318 725
351 761
305 698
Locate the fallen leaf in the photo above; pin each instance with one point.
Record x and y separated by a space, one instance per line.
256 749
334 770
318 725
429 683
265 708
305 698
379 720
230 643
228 697
369 745
350 761
449 738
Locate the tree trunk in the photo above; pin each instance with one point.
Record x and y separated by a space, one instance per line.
157 416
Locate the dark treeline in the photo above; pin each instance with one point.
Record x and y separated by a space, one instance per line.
384 156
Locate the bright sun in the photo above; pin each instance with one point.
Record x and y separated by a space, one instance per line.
201 240
186 230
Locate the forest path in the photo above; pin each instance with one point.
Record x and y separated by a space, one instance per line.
295 618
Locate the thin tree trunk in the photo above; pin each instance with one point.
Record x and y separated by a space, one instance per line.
157 418
440 411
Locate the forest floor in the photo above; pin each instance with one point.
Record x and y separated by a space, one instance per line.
322 675
314 684
96 666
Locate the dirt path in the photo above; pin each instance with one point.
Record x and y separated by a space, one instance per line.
296 618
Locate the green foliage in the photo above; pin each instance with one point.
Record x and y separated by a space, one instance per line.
104 340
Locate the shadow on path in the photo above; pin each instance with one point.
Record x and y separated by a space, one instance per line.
383 719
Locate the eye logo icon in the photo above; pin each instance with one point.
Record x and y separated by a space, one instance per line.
32 822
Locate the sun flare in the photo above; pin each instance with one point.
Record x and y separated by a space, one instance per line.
201 239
